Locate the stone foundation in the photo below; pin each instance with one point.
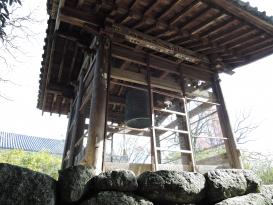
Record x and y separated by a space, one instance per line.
80 186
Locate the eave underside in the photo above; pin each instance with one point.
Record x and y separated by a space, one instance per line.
209 29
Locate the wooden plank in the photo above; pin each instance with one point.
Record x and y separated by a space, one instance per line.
242 14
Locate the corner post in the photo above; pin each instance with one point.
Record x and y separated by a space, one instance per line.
96 129
231 146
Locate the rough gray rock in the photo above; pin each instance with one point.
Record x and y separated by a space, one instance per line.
116 198
21 186
172 187
72 181
253 181
119 180
267 190
227 183
250 199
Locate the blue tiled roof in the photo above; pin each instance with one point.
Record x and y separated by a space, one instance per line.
30 143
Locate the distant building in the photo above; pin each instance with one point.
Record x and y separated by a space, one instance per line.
31 143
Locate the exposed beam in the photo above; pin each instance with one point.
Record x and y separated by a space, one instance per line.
139 78
60 89
157 45
156 62
58 20
80 18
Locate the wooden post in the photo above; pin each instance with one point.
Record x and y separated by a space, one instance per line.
231 146
94 147
67 138
79 135
108 66
154 160
75 121
112 146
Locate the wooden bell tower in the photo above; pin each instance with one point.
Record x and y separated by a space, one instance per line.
139 80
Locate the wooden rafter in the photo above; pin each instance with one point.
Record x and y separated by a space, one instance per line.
244 15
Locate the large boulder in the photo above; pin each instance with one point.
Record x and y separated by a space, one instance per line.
253 181
116 198
250 199
226 183
72 181
118 180
267 190
172 186
21 186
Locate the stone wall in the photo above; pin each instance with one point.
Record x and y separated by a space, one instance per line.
80 186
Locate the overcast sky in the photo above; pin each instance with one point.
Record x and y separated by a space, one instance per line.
249 90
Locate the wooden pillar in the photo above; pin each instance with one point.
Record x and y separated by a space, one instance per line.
154 160
94 147
75 122
67 138
108 69
79 136
231 146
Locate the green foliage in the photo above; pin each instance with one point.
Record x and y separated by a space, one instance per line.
266 175
38 161
264 172
210 152
260 163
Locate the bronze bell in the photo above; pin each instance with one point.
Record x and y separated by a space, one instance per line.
137 109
